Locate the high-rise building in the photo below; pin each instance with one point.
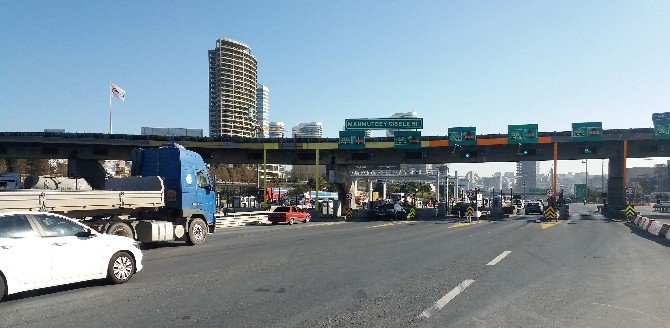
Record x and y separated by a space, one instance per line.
526 175
412 114
308 130
263 105
232 90
276 130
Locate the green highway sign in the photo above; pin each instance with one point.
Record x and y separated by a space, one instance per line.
580 191
352 140
536 191
662 129
587 131
522 134
383 124
407 139
464 136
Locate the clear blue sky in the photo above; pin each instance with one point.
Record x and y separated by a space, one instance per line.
481 63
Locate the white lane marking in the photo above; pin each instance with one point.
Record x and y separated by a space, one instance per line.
498 258
445 299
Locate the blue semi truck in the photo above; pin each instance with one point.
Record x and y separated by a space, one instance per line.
169 196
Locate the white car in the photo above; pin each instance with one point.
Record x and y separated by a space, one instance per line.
39 250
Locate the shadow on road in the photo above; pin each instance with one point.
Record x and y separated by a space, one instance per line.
148 246
56 289
645 234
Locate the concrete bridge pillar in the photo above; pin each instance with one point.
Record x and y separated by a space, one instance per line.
345 184
616 199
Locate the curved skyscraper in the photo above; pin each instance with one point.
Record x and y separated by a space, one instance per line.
232 90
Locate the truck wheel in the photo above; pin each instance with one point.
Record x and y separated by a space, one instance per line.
290 221
197 232
121 267
120 229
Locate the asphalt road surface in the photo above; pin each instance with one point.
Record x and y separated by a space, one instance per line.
510 273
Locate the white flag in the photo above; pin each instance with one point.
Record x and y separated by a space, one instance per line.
115 91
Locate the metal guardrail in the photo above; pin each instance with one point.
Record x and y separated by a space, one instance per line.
661 207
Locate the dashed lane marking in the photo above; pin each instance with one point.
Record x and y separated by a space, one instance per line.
427 313
498 258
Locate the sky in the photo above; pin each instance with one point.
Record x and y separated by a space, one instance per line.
457 63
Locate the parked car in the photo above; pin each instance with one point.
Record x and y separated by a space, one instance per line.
534 207
39 250
289 214
389 212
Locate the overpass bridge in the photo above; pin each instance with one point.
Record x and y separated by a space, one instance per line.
84 149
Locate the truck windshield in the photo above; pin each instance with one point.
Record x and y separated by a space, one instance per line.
282 209
203 179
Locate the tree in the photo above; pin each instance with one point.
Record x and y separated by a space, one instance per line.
247 174
18 165
59 168
39 167
235 174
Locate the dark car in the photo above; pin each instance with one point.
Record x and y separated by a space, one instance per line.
534 208
456 209
388 212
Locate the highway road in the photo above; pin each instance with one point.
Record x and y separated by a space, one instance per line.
432 273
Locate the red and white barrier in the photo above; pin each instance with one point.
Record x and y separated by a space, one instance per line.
655 227
665 231
643 223
648 224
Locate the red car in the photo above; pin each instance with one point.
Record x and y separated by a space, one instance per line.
289 214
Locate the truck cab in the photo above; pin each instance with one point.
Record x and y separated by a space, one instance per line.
189 189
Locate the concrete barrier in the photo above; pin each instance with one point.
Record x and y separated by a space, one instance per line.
655 227
647 224
641 222
238 219
665 230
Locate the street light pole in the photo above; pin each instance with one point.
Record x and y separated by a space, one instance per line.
586 178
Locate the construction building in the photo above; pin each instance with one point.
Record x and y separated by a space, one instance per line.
232 90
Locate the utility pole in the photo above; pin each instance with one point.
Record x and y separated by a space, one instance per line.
456 195
586 178
602 176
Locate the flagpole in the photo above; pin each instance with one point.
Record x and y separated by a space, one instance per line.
110 107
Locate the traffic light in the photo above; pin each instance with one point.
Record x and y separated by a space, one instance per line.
530 152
